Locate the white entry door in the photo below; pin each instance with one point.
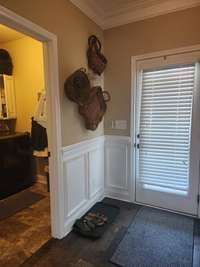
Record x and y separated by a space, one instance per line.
167 132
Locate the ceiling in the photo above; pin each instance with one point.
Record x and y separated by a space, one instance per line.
112 13
113 6
8 34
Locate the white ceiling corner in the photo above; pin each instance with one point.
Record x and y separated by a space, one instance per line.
111 13
91 9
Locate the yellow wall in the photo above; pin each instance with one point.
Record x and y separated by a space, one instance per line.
72 28
27 56
160 33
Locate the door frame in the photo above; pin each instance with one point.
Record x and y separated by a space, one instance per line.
49 40
133 115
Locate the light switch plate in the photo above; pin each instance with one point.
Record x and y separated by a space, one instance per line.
121 124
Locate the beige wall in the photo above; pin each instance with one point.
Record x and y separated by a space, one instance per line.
164 32
27 57
72 29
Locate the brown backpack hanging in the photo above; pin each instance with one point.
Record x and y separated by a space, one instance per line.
77 87
96 60
95 108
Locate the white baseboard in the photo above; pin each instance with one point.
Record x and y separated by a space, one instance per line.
117 195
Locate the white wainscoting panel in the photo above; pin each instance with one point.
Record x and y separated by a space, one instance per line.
96 171
118 182
83 167
76 181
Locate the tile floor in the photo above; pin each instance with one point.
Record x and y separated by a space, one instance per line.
22 234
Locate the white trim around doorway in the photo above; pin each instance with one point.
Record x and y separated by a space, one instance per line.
49 41
133 115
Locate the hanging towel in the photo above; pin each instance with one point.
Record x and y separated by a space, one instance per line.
41 111
38 131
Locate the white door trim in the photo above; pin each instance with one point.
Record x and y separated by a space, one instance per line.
49 40
133 115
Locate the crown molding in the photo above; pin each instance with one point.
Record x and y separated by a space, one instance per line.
132 12
145 12
90 10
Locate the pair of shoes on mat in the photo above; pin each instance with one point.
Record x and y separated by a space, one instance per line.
97 219
90 222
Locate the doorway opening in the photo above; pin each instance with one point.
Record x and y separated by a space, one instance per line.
50 48
24 164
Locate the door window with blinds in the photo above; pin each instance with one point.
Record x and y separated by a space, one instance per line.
165 105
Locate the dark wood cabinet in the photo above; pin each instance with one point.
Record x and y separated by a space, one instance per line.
17 168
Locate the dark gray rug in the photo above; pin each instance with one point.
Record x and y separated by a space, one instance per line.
156 239
10 205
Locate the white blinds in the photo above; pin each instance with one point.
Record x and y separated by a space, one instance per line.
165 126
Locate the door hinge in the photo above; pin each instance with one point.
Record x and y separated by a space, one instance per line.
137 145
198 199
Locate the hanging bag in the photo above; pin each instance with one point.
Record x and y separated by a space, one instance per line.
95 108
77 87
96 60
